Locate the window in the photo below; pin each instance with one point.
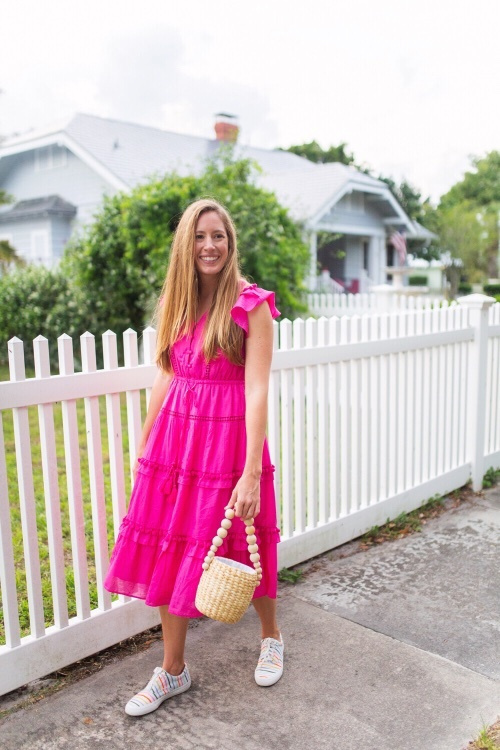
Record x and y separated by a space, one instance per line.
366 250
50 157
40 248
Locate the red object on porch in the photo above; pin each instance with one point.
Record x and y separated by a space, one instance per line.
354 288
350 287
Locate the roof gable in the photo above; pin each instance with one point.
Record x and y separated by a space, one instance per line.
311 195
126 153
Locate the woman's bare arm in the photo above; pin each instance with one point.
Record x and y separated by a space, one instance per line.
258 355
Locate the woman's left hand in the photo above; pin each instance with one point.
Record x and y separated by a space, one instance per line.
245 498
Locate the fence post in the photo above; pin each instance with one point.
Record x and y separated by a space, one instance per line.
478 306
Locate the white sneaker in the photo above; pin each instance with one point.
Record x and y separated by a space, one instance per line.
161 686
270 666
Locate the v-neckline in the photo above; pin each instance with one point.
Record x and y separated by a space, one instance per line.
201 317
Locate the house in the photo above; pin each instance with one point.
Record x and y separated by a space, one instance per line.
59 176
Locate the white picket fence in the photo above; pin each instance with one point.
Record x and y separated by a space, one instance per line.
368 417
384 300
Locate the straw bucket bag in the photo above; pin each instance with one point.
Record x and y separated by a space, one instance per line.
226 587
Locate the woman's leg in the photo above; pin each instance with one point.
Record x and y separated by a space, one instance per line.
266 609
174 630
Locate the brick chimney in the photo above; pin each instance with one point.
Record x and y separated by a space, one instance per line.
226 127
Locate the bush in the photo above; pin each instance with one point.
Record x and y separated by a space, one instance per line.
36 301
464 287
491 289
417 280
120 261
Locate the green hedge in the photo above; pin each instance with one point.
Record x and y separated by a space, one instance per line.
491 289
36 301
465 287
417 280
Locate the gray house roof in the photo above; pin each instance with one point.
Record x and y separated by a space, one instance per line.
308 192
131 153
125 154
52 205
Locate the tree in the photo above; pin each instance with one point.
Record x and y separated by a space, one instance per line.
408 196
462 236
118 264
313 152
9 257
474 201
8 254
480 188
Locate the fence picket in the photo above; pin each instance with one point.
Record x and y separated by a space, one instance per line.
443 395
133 399
74 484
334 423
273 425
419 405
115 438
355 419
286 433
384 411
374 493
311 430
436 399
322 395
394 407
22 442
465 347
404 395
365 478
51 489
7 566
299 430
345 424
149 351
94 453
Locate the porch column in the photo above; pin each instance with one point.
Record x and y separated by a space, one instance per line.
382 260
313 265
372 260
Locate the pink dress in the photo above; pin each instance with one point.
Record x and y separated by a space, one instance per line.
194 456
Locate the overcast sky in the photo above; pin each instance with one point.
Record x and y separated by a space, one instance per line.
412 87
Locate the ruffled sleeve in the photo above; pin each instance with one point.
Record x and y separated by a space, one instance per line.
251 297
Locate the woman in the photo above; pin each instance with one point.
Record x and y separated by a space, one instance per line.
203 447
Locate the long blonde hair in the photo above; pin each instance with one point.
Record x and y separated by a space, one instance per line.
177 306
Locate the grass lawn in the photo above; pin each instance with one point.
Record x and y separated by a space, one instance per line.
40 503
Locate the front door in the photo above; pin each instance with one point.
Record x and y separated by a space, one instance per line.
332 257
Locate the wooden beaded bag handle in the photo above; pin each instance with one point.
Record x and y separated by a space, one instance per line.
253 548
226 586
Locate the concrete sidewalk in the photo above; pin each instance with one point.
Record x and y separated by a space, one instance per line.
395 648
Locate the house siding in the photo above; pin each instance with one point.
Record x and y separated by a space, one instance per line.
61 231
21 232
358 213
74 181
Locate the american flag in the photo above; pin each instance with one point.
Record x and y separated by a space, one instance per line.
398 240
